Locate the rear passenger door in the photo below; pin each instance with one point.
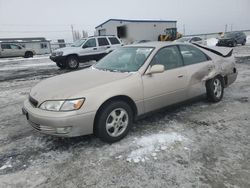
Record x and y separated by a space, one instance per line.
104 46
198 66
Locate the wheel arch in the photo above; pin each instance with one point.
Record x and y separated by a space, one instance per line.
74 54
223 78
123 98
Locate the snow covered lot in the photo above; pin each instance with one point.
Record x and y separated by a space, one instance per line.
198 144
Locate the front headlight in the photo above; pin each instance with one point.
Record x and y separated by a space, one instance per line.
63 105
55 53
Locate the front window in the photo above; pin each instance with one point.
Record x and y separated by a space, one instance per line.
127 59
78 43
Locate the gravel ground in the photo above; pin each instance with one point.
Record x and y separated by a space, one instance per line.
198 144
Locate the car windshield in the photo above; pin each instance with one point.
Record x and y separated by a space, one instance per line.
126 59
78 43
183 39
229 35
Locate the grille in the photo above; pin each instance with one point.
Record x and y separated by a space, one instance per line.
33 101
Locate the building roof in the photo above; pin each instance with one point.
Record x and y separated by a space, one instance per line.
32 39
142 21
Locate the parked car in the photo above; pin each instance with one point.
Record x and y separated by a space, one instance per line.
131 81
198 40
232 39
83 50
14 50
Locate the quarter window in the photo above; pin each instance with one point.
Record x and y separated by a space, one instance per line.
169 57
192 55
114 40
103 41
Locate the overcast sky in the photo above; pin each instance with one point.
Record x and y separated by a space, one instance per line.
52 18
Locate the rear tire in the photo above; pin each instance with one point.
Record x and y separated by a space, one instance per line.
215 89
72 62
114 121
244 42
28 54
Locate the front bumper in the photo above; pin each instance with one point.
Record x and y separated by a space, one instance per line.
63 124
58 59
225 43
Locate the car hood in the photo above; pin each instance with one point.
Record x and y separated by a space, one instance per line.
69 85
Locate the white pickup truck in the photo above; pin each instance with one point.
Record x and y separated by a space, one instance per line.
83 50
14 50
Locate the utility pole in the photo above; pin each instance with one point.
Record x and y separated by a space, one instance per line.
72 30
225 28
231 27
184 30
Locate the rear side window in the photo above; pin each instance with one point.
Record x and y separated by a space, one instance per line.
5 46
169 57
103 41
192 55
114 40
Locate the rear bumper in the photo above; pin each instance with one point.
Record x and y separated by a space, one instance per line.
231 78
60 123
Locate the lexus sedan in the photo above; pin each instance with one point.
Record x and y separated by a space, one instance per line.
131 81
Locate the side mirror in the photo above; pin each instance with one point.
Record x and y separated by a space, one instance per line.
156 69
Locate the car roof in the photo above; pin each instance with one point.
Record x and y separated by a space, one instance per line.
155 44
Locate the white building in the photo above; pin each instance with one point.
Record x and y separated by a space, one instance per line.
40 45
134 30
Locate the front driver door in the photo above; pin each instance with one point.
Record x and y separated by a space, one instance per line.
169 87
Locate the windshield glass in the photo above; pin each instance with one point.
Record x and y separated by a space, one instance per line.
228 35
78 43
126 59
183 39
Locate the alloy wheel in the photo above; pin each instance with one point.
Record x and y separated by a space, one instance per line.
117 122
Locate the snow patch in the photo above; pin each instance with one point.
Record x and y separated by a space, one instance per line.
7 165
150 146
248 39
211 41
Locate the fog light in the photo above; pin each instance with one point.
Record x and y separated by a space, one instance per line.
63 130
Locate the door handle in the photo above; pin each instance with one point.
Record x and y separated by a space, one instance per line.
108 46
180 76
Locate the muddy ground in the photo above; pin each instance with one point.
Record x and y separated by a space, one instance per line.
199 144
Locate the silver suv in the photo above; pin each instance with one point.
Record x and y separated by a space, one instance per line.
14 50
83 50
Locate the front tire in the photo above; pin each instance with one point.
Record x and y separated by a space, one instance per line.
28 54
215 89
114 121
61 65
72 62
